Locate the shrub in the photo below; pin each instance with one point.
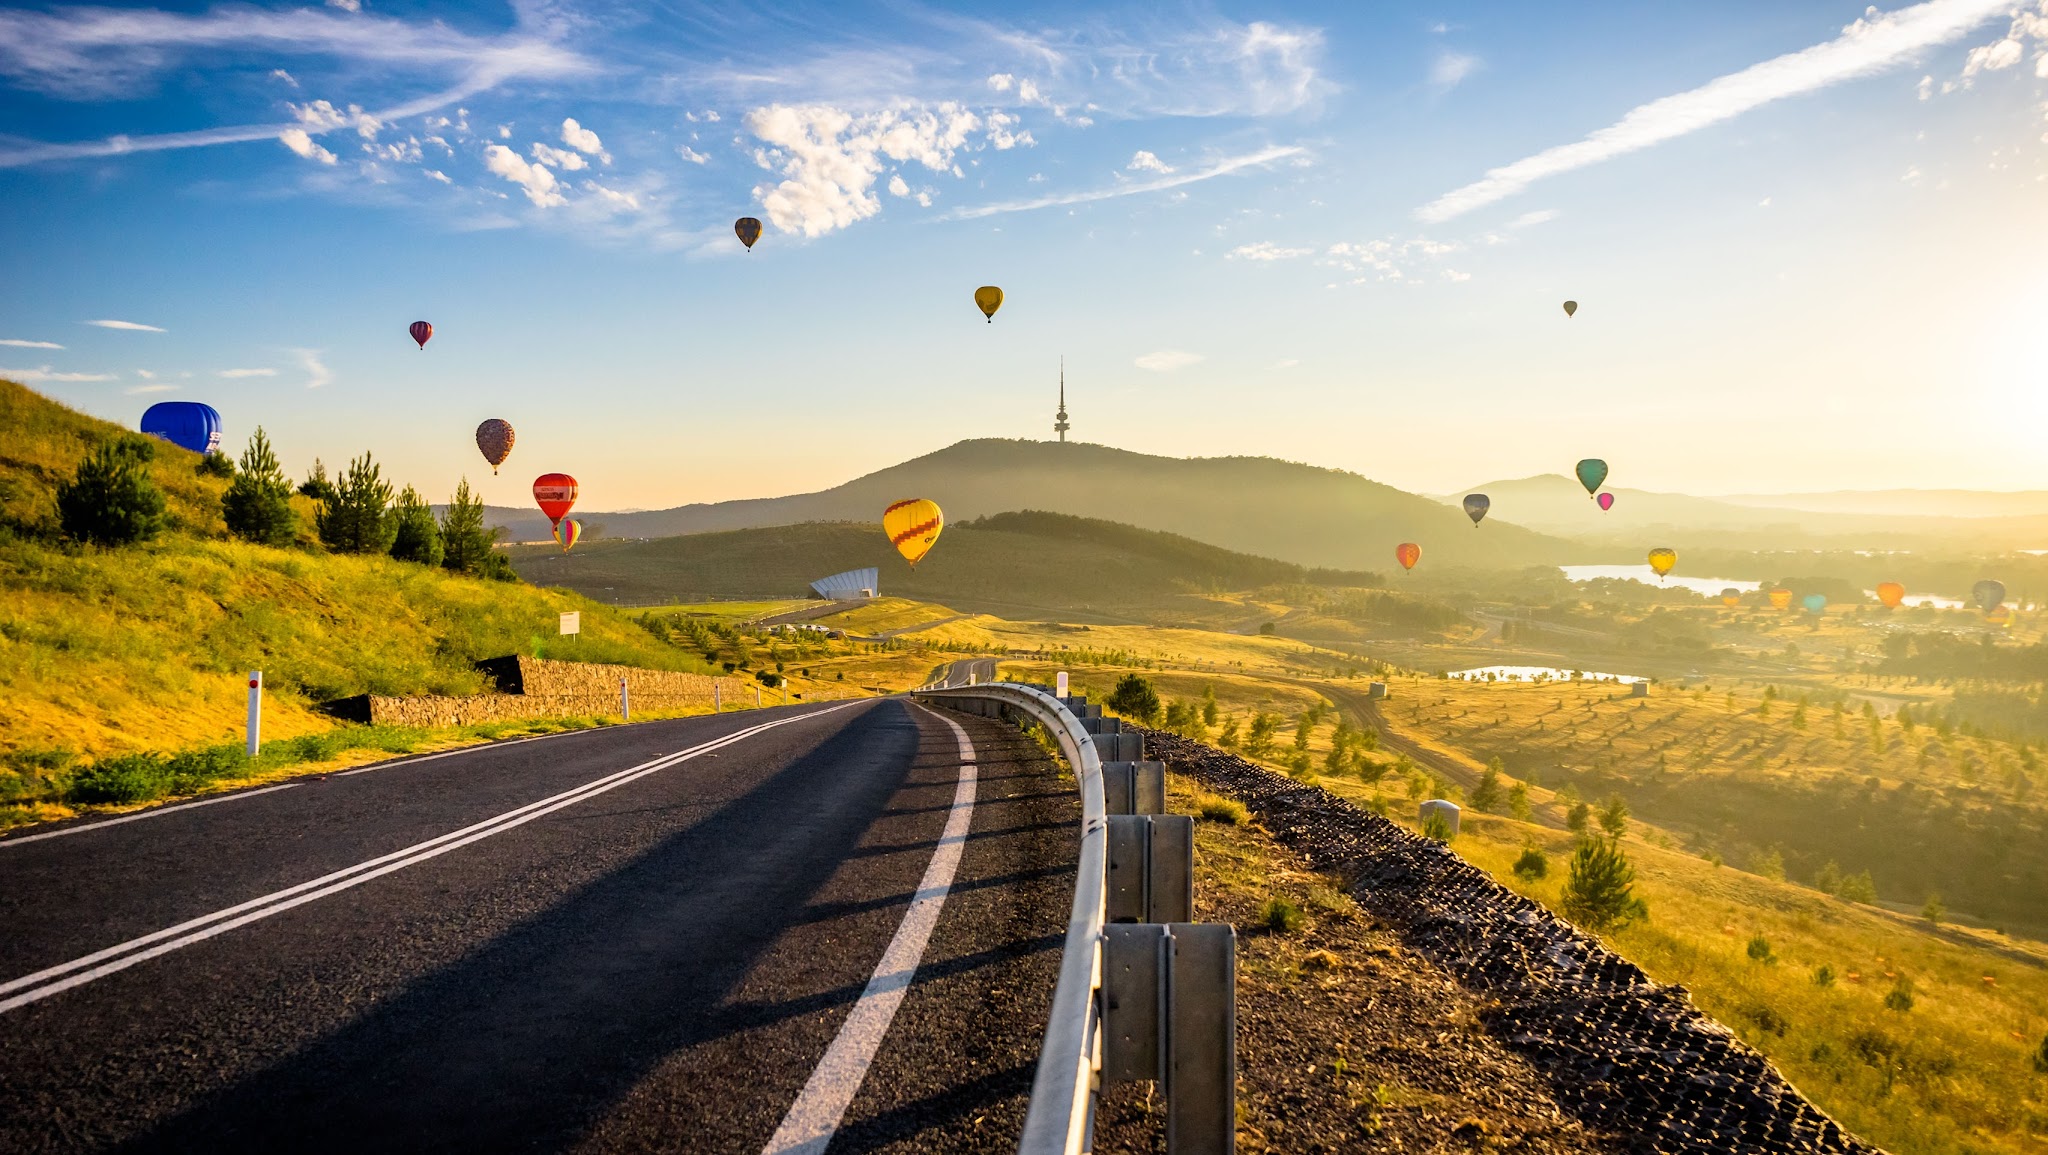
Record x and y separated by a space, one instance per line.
1436 827
2041 1056
356 516
1217 808
1134 697
1828 879
415 537
1823 975
1280 916
121 779
1760 950
1599 889
1858 887
216 464
1900 997
1579 819
1933 910
1532 865
111 500
258 504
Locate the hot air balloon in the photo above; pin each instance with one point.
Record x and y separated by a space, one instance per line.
1891 594
913 524
494 438
1570 307
1606 501
1781 598
1988 594
1663 559
555 493
187 424
1814 603
1476 505
568 532
989 298
1407 553
748 230
1731 597
1592 472
420 331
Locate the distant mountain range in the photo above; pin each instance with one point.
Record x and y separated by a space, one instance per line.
1256 505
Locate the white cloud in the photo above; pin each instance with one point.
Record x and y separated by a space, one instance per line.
287 77
708 116
346 5
1925 88
1876 42
297 140
1536 217
1223 167
692 155
1000 136
583 140
142 389
1266 251
1993 57
129 325
233 374
317 373
145 374
405 151
504 132
1166 360
830 159
538 183
559 158
437 174
18 343
1452 67
1002 82
1386 259
612 200
1286 362
898 186
46 373
1455 275
322 116
1143 161
1912 175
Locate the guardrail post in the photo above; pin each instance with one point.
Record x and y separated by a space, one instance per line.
1119 747
1134 787
1151 868
1169 1013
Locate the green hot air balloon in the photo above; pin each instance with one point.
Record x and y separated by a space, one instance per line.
1592 473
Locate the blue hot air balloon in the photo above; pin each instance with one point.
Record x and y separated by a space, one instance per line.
184 423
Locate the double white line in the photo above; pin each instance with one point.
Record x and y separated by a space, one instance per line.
79 971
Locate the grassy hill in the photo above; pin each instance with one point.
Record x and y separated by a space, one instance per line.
1256 505
145 647
1014 564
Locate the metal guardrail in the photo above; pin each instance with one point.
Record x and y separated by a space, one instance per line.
1088 1028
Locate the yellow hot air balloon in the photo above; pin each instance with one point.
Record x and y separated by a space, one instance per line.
913 524
1781 598
989 298
1663 559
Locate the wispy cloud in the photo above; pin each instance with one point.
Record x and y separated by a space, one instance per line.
1167 360
1537 217
1452 67
47 373
131 325
1872 44
18 343
1144 161
317 372
237 373
1266 251
141 389
1264 156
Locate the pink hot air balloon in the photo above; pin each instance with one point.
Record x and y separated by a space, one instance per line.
420 331
1606 501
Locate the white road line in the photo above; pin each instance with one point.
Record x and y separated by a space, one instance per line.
815 1116
139 816
64 976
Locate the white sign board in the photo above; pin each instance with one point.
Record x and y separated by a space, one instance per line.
572 622
1060 684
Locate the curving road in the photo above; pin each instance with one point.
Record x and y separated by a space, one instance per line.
774 930
969 672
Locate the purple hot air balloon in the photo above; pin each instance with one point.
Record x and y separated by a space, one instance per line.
1606 501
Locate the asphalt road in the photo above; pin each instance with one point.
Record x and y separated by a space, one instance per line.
971 672
595 941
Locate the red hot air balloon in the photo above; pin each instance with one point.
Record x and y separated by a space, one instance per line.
555 493
1408 553
1606 502
420 332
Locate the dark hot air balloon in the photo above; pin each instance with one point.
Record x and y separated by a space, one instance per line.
1476 505
1592 472
1989 594
1731 597
1570 307
494 439
420 331
186 424
748 230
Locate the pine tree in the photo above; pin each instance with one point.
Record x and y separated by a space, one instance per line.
316 485
258 503
1599 889
1489 794
356 515
415 537
465 543
1518 802
111 500
1134 697
1614 816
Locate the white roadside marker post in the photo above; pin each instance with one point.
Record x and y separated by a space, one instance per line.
625 703
716 707
757 696
255 723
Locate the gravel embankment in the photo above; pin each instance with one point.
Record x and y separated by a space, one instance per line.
1628 1056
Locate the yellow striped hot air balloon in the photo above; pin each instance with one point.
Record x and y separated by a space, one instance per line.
1663 559
913 524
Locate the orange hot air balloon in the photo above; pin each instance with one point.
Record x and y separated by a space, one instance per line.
1891 594
555 493
1781 599
568 532
494 440
748 230
913 524
1731 597
1407 553
1663 559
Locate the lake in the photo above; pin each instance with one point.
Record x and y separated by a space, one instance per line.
1710 586
1534 673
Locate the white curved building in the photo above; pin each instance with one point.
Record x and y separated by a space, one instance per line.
854 583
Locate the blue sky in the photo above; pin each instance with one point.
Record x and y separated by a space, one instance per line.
1809 240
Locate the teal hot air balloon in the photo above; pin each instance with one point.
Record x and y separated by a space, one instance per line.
1476 505
1592 474
1814 603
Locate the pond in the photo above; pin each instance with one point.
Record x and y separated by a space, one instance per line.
1709 586
1538 674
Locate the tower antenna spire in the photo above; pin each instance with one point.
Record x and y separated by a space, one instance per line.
1059 424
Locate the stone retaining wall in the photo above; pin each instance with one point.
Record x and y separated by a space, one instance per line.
543 688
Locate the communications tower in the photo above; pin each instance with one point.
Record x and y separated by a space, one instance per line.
1059 424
